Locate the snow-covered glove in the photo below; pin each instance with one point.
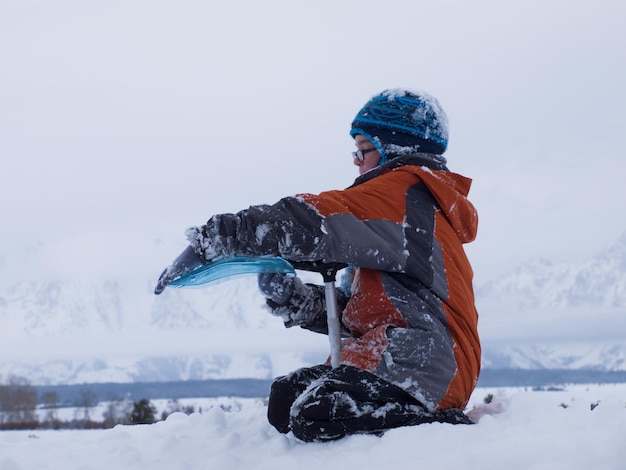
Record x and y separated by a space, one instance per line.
277 287
203 243
186 262
298 304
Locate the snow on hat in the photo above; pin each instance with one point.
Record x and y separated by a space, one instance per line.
402 122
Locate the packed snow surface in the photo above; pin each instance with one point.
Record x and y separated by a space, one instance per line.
572 427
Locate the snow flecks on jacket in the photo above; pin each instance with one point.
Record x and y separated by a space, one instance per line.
410 318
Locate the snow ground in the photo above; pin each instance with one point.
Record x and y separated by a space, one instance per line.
520 429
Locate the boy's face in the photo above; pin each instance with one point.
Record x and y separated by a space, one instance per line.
370 159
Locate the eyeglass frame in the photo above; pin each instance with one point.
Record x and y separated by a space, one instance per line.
360 154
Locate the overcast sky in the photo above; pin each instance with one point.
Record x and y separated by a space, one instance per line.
124 122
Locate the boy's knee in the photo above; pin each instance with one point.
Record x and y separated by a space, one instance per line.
313 418
285 390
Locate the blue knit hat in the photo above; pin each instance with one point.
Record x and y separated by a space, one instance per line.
402 122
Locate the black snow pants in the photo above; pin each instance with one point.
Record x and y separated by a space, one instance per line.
323 404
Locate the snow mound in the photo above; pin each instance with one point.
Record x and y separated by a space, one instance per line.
578 427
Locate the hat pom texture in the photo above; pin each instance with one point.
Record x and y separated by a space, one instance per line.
402 122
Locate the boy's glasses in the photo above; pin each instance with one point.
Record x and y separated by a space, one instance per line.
360 154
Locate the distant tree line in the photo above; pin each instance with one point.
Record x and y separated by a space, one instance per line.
21 409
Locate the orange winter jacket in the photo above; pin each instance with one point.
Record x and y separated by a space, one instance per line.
409 314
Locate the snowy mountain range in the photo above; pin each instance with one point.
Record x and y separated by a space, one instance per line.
558 315
599 282
84 329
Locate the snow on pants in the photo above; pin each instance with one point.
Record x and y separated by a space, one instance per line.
323 404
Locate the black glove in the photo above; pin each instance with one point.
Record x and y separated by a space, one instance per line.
186 262
290 299
277 287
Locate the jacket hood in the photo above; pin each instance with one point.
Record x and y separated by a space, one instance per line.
450 190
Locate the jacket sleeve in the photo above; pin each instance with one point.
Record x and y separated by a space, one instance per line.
362 226
290 228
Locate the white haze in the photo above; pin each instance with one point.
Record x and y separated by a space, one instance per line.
130 122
